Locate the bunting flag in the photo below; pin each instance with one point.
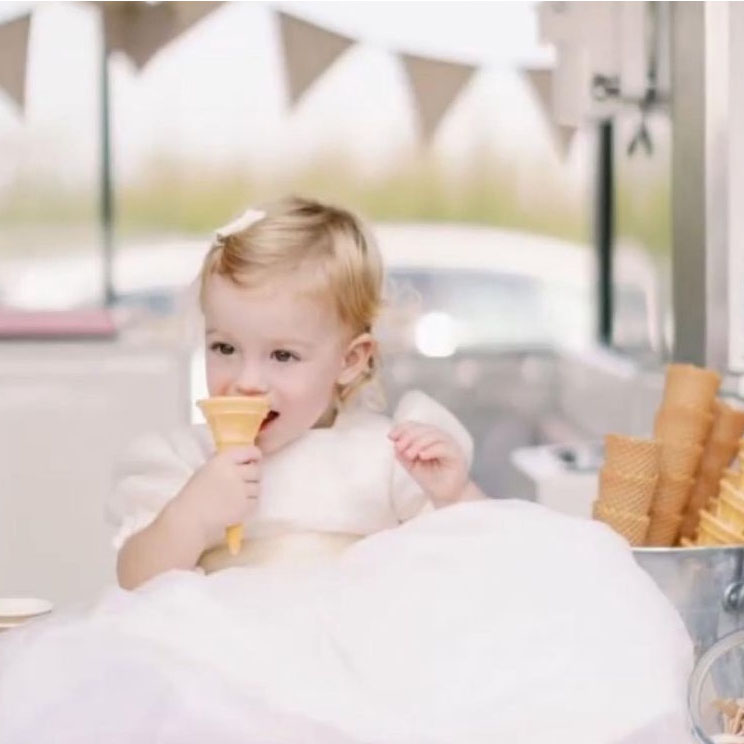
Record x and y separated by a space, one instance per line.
563 136
141 29
308 52
435 85
541 80
13 50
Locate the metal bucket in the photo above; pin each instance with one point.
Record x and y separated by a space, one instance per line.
717 675
706 585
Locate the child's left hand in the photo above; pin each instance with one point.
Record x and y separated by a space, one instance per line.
433 458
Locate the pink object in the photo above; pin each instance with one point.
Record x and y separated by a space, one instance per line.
88 323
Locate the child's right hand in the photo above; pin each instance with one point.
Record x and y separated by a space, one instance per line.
222 492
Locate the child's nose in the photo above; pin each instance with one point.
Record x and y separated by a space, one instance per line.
251 381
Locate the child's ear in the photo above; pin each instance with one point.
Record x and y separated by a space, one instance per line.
356 358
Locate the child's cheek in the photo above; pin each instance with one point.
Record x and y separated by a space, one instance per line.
218 380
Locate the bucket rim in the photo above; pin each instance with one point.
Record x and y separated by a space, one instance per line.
694 550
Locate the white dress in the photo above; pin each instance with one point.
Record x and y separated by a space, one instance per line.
343 479
492 621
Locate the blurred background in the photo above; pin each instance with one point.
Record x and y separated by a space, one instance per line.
528 250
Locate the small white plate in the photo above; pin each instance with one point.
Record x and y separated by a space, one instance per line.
17 609
8 626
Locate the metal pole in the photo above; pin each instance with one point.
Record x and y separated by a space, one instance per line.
604 228
701 181
107 200
688 182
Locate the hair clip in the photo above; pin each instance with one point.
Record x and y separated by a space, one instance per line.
248 218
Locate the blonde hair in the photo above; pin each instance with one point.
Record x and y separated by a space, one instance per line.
326 248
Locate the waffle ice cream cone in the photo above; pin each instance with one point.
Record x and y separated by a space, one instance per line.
678 461
707 539
733 477
663 530
735 473
235 421
631 456
689 527
625 493
706 488
682 425
730 507
712 531
717 456
672 495
728 425
688 386
632 527
703 492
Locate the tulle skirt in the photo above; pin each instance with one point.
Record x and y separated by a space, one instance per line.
493 621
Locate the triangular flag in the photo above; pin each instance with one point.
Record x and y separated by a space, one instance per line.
541 81
308 52
563 136
141 29
13 49
435 85
189 14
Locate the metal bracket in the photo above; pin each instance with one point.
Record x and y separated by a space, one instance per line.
733 597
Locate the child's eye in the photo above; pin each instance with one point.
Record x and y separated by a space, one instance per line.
282 355
222 348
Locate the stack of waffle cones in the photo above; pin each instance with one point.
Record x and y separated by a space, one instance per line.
627 483
720 448
682 425
695 491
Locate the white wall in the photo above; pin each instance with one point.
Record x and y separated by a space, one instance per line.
67 411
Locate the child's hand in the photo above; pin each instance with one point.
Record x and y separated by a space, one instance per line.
434 460
222 492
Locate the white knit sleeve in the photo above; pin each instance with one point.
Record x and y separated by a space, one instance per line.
407 497
152 471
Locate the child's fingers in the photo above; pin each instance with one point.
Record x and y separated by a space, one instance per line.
244 454
396 431
405 462
419 443
404 427
409 433
436 451
404 441
249 473
251 492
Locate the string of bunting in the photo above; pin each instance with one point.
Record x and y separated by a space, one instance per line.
140 30
13 53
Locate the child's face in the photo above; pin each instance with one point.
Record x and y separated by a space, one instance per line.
278 342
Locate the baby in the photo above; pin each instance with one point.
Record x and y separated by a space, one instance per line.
490 621
289 298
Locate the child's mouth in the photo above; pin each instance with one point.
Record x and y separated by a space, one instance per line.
269 418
